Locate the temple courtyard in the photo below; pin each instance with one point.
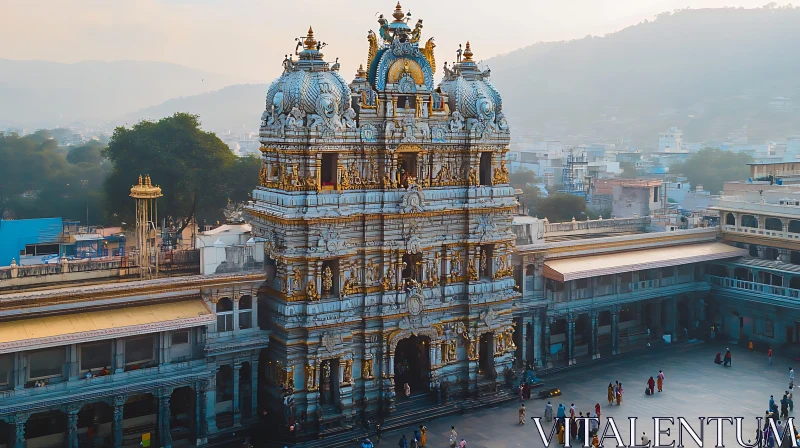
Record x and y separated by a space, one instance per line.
694 387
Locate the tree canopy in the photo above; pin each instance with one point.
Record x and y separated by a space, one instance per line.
38 179
712 167
562 207
628 170
521 178
196 170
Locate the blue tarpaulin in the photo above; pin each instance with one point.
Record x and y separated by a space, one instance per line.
15 234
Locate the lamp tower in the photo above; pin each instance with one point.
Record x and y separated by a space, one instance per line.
146 196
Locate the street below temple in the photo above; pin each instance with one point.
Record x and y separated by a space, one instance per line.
694 387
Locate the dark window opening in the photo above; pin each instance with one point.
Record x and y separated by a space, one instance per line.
41 249
771 254
406 102
794 257
47 363
139 351
730 220
753 250
412 268
486 168
655 194
406 168
180 337
95 356
328 175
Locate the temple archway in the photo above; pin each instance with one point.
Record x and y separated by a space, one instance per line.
182 411
486 354
46 429
96 419
412 364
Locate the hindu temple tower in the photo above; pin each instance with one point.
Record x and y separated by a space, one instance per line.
387 213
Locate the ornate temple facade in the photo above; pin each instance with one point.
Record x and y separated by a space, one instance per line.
387 215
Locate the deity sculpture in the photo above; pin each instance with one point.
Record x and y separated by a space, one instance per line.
262 175
484 260
348 371
470 346
366 368
310 380
327 280
296 280
344 181
472 179
472 271
456 121
349 120
311 290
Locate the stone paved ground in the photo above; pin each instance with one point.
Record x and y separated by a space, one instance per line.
694 387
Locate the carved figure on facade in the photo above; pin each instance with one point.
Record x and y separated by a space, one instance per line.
424 129
450 351
372 272
484 258
373 170
408 130
472 271
456 121
366 369
344 179
348 371
368 133
501 174
455 267
349 119
502 123
472 179
373 47
311 290
391 128
327 280
427 51
262 174
489 317
311 380
295 118
290 378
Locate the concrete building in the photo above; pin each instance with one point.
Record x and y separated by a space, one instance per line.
670 141
636 197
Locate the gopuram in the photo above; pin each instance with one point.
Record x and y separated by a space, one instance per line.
387 215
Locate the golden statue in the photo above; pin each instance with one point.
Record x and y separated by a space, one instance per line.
470 349
415 35
373 48
366 369
484 260
311 290
428 53
290 378
472 178
327 280
472 271
344 182
348 371
263 174
296 279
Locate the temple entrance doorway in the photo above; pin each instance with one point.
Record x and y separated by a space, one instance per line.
182 412
329 382
95 424
486 355
412 365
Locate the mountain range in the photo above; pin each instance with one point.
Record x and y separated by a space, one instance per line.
708 71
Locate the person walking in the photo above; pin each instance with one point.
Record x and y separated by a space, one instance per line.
548 412
791 378
791 402
561 413
784 407
423 435
367 443
403 442
463 444
453 437
522 414
645 440
521 392
581 427
769 355
407 390
594 425
561 434
660 380
597 410
727 362
572 410
619 394
651 385
611 394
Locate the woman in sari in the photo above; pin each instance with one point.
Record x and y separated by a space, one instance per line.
560 434
611 392
619 394
597 410
573 428
718 359
522 414
423 435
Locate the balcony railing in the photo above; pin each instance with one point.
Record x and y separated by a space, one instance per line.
743 285
761 232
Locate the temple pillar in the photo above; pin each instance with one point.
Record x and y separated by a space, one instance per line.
615 330
672 323
595 352
119 356
570 339
237 415
209 390
236 315
164 431
254 387
19 421
546 354
536 340
119 404
198 413
72 426
391 363
73 367
432 353
20 370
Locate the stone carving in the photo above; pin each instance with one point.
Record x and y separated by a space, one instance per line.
456 121
408 130
455 266
349 119
413 199
348 371
425 129
450 352
472 271
415 305
391 128
502 124
295 118
311 380
368 133
330 340
484 260
489 317
372 272
438 134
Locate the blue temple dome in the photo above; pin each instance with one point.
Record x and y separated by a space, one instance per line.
308 86
469 90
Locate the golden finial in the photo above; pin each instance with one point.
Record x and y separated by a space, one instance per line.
310 43
398 13
361 74
468 53
140 179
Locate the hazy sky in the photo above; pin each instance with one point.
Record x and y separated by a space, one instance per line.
248 38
